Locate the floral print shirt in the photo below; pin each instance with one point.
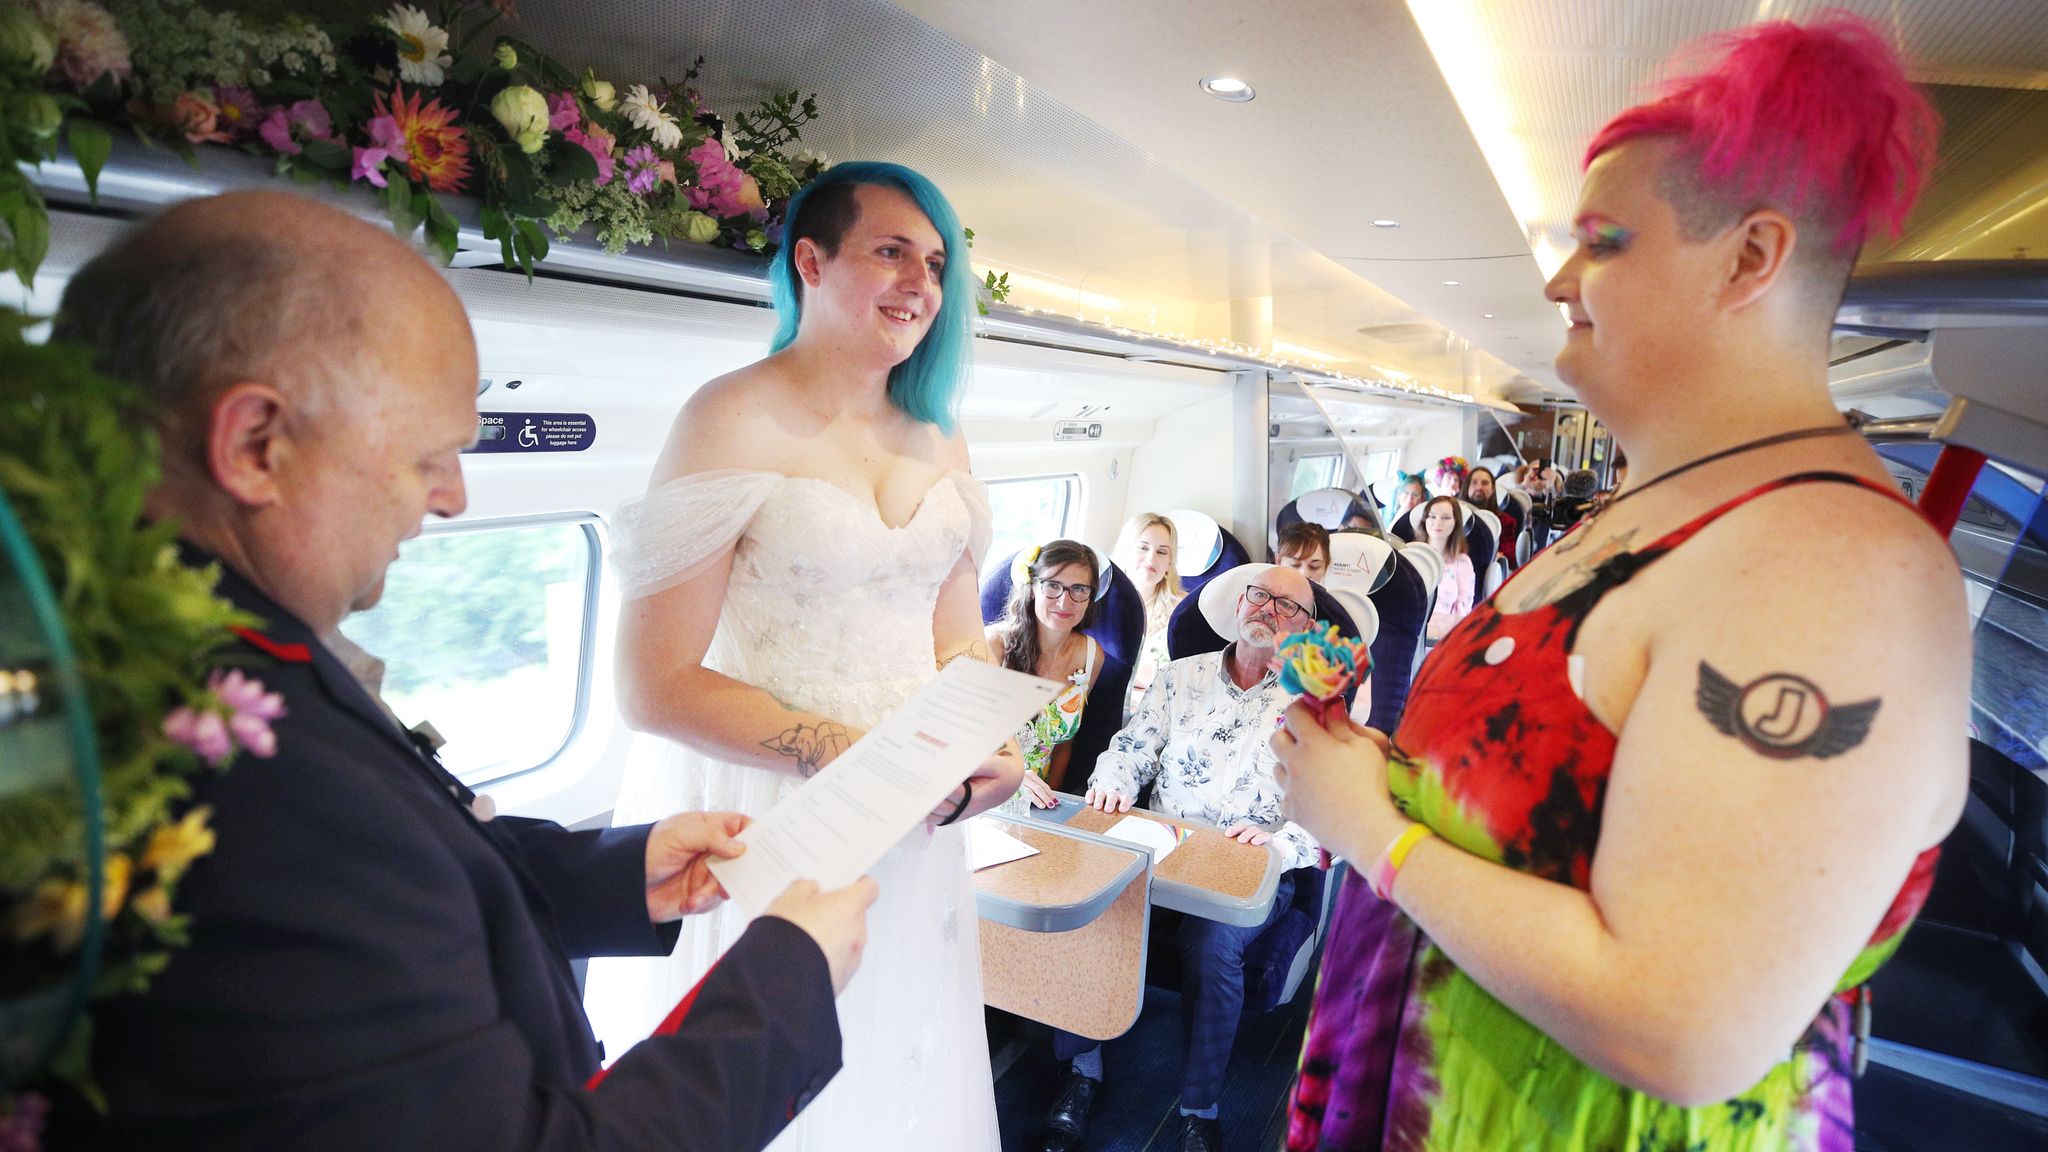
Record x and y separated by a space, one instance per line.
1205 741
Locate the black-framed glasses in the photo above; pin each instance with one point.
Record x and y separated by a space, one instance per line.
1258 597
1053 590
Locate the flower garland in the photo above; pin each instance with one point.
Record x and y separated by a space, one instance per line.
76 459
420 106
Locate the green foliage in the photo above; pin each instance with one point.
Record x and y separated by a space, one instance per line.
775 124
77 457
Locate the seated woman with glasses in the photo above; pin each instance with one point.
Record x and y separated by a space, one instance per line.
1052 597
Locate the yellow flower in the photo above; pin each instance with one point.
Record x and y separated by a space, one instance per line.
153 905
173 847
58 906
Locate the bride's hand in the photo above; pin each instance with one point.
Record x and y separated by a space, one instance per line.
993 781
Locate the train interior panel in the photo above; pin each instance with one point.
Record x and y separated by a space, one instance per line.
1244 322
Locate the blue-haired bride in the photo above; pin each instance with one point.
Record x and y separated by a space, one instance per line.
805 558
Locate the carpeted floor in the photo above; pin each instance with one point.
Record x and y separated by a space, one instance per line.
1138 1111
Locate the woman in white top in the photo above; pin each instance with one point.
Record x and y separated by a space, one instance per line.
805 558
1146 550
1443 526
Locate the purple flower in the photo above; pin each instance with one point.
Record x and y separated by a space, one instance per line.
203 732
563 112
254 734
239 111
285 128
22 1131
245 694
387 142
277 132
641 170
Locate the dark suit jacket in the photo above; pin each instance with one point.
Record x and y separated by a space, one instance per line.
372 968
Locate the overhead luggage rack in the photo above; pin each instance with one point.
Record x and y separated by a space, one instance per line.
1986 326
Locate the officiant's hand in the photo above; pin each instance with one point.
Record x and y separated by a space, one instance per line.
678 883
836 920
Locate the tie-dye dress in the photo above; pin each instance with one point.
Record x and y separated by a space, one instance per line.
1499 756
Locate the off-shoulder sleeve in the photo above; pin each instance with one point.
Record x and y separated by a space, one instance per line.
683 527
981 521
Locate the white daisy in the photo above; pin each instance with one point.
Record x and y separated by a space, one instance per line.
646 113
422 49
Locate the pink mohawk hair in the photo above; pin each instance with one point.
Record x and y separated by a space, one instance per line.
1817 116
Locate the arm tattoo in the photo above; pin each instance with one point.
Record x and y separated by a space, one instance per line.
975 651
1575 575
1782 716
811 746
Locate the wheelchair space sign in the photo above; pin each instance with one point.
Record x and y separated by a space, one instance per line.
534 432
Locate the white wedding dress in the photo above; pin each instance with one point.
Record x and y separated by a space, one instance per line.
829 610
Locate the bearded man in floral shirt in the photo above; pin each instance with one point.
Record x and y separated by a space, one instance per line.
1201 736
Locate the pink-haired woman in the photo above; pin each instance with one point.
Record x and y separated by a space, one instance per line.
1659 808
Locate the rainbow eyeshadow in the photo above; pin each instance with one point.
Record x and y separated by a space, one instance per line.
1598 232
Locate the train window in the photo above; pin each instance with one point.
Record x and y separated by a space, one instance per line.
1313 472
485 633
2006 703
1031 510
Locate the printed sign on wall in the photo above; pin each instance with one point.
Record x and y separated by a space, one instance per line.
534 432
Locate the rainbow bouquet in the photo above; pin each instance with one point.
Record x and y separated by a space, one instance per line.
1319 664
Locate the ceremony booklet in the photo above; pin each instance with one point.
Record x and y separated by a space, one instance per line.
1161 838
988 845
835 827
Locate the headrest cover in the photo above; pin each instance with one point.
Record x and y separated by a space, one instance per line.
1357 561
1200 541
1426 561
1218 598
1364 613
1325 506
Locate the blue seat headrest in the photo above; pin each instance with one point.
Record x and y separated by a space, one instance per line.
1119 624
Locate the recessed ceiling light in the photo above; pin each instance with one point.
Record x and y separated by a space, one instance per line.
1450 283
1385 223
1487 315
1228 88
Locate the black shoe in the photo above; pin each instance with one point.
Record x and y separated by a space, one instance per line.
1067 1121
1200 1134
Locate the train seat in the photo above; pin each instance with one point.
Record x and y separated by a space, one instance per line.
1482 535
1495 570
1399 595
1276 962
1119 627
1329 507
1525 513
1206 548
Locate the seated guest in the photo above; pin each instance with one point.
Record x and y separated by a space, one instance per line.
1304 547
1146 550
1448 477
1443 525
1052 597
1202 736
371 965
1540 482
1479 493
1364 519
1409 496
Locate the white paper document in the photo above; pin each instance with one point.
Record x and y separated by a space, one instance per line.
1162 839
834 828
988 845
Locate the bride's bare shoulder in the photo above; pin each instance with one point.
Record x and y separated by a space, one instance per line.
727 423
